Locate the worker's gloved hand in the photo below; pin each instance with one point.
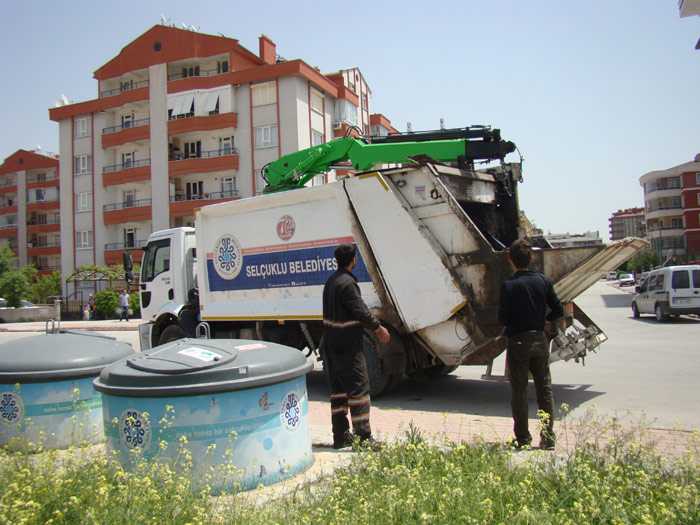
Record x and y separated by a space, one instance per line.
383 335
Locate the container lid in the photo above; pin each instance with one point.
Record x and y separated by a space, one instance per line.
60 355
198 366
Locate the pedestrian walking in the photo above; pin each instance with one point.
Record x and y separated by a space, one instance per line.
345 317
525 299
124 303
92 307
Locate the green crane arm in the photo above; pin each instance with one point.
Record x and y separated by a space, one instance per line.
296 169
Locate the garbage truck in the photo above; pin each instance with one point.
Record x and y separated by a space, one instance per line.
431 233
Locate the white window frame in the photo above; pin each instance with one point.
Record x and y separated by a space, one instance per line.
317 138
81 164
83 201
316 101
266 136
264 93
39 192
83 239
127 231
226 145
697 178
129 194
128 121
128 159
228 184
82 127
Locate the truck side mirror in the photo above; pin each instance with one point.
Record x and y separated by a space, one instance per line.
637 288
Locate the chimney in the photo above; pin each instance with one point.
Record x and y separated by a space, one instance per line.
268 50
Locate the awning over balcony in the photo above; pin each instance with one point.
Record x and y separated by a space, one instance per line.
180 104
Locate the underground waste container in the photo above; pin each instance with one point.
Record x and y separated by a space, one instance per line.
237 403
46 394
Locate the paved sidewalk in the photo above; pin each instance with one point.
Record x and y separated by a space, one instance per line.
109 325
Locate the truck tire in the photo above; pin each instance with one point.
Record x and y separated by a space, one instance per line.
379 380
439 371
659 313
172 332
635 311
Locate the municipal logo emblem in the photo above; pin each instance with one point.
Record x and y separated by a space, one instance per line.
286 227
11 408
290 411
228 258
134 430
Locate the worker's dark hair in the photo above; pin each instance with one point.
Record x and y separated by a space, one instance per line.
520 253
344 254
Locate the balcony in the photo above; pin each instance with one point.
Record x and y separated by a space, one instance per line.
663 211
134 131
181 206
208 161
128 211
53 204
204 79
114 250
44 180
203 123
125 87
8 230
8 208
134 171
35 249
47 226
48 268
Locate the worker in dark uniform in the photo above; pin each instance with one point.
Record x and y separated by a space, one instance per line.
525 298
345 317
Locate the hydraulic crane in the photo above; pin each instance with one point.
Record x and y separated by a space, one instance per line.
461 145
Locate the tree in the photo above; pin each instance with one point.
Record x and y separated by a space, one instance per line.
135 304
643 261
106 303
14 286
45 287
7 260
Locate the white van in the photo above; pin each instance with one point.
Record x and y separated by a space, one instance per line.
674 290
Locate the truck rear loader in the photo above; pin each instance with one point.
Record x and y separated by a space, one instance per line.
431 237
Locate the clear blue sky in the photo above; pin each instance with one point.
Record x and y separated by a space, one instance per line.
594 93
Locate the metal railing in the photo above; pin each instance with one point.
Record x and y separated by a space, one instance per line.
7 226
662 188
7 182
46 177
123 246
36 222
200 73
221 152
666 207
44 244
136 203
111 168
8 205
48 268
226 194
124 87
127 125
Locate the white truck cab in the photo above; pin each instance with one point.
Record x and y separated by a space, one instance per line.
167 282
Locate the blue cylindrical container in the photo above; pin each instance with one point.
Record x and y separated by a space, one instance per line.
46 394
228 402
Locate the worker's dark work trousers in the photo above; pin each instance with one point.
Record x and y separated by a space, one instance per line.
529 352
349 382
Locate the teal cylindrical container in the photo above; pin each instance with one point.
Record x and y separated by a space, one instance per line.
237 403
46 394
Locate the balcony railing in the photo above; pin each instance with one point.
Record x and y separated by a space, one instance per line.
652 189
199 73
37 222
227 194
665 207
111 168
7 182
125 86
127 125
136 203
46 177
7 226
44 244
125 246
221 152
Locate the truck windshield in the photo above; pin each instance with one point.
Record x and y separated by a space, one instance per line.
156 260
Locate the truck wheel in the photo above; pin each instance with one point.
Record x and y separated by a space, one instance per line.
172 332
439 371
659 313
635 311
378 379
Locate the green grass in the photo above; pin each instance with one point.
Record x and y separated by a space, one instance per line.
410 482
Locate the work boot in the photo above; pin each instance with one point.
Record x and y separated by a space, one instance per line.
343 441
368 442
547 444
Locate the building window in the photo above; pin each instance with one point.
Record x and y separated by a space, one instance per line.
676 223
193 149
128 159
82 127
228 186
129 198
194 190
698 196
129 237
82 165
83 239
225 145
222 66
192 71
697 179
127 121
84 201
316 101
316 138
264 94
266 136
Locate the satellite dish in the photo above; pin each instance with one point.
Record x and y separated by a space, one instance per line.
195 28
163 19
184 26
65 100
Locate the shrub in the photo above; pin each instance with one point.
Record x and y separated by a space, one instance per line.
135 304
45 287
106 303
14 286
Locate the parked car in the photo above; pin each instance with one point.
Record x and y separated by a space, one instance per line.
612 276
22 303
669 291
627 279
